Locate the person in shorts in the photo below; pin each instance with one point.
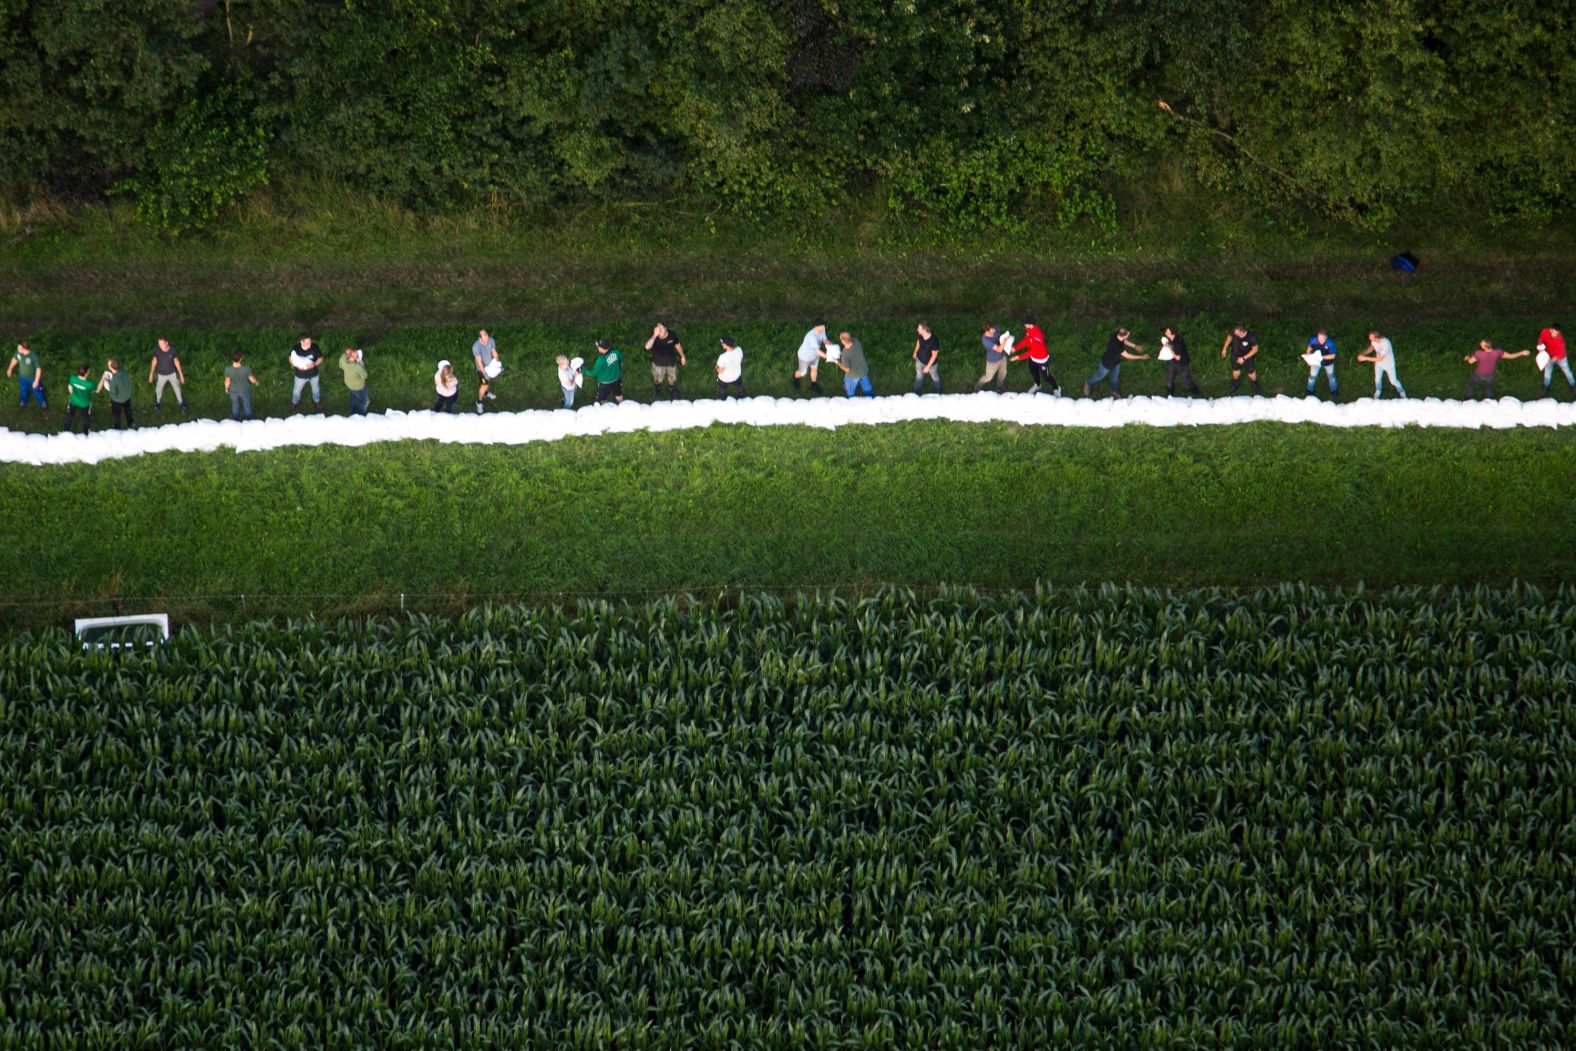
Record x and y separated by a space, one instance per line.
730 369
667 354
484 352
812 351
608 371
1242 347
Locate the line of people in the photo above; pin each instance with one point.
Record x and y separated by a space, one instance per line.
817 350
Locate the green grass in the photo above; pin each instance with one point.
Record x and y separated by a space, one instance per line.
323 257
402 360
1104 819
347 530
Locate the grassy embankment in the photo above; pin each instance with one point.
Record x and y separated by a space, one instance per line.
351 530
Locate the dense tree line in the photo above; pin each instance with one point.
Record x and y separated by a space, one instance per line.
972 111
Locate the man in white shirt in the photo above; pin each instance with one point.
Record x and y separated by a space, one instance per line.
812 351
1382 354
730 368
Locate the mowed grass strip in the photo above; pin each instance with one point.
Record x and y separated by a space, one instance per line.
401 361
350 530
331 256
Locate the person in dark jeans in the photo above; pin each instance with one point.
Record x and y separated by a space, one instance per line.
117 381
1180 367
447 385
1117 350
927 357
1487 358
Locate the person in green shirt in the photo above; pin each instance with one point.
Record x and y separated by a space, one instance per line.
354 367
238 384
118 383
30 381
608 371
80 398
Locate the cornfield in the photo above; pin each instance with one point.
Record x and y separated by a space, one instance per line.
1104 818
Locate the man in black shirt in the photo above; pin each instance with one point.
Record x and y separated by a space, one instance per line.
927 357
166 365
667 354
1116 352
304 361
1243 346
1180 366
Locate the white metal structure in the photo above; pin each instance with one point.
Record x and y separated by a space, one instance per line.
123 633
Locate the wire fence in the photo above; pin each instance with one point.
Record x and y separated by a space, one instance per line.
208 608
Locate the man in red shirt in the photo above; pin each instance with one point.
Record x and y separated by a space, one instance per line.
1039 357
1551 341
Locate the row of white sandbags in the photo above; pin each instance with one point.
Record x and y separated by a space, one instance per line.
538 425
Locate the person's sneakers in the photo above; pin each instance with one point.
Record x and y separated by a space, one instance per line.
1086 390
480 408
815 387
491 396
183 408
156 407
796 383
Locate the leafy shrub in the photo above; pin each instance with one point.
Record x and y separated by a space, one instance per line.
1000 184
206 156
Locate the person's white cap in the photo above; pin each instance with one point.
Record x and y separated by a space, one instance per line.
444 364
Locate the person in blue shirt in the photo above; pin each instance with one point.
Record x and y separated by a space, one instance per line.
1321 344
